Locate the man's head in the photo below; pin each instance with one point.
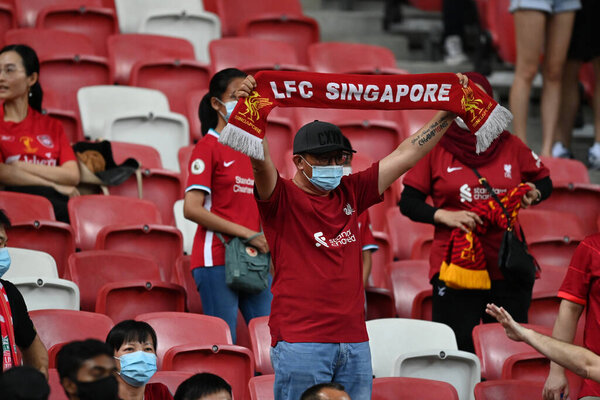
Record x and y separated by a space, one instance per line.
87 370
24 383
325 391
203 386
320 153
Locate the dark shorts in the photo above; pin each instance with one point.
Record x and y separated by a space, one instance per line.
585 40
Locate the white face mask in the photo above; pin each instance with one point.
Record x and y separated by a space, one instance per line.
347 171
229 106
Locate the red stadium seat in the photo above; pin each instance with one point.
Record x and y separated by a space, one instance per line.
403 388
52 237
564 171
56 390
588 80
92 269
27 11
127 298
404 233
233 363
175 329
8 20
380 303
193 99
280 139
47 42
97 23
183 277
266 55
493 347
545 301
411 120
260 337
261 387
427 5
146 156
412 290
89 214
233 13
60 326
509 389
298 30
171 379
164 242
21 207
53 107
379 276
184 154
352 58
502 29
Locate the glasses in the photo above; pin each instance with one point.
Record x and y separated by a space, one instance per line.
329 158
10 70
3 242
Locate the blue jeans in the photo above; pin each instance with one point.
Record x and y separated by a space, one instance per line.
220 301
299 366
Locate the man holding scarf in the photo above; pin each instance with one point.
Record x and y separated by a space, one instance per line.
310 222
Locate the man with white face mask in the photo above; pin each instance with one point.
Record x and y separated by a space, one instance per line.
16 328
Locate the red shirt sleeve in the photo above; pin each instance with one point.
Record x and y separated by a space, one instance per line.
367 241
200 167
530 164
585 261
157 391
66 151
365 185
420 175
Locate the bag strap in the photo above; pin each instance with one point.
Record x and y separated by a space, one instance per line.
243 240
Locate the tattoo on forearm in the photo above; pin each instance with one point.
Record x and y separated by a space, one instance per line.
429 133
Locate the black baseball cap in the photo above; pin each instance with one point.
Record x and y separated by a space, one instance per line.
319 137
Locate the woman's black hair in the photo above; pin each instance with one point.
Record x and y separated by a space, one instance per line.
218 85
32 65
130 331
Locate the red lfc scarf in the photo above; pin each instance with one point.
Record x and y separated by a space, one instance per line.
10 357
464 266
246 127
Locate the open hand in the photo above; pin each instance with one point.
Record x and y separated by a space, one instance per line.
465 220
246 87
513 330
260 242
530 197
463 80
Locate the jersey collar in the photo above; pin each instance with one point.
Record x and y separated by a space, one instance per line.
211 131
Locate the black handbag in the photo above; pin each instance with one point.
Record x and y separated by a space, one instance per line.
514 260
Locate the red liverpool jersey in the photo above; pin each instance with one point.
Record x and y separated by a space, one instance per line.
225 175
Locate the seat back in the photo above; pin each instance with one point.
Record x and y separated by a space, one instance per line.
403 388
233 13
132 12
183 157
27 10
261 387
48 42
501 25
417 335
92 269
183 277
260 337
412 290
45 293
30 263
509 389
564 171
187 227
404 233
171 379
60 326
340 58
22 207
146 156
56 390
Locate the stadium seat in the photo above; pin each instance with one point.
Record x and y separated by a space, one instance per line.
261 387
411 120
233 363
92 269
281 138
183 277
146 156
183 157
89 214
379 276
125 50
200 28
298 30
509 389
127 298
577 198
501 25
131 13
175 329
56 390
544 300
171 379
29 263
588 80
416 336
403 388
341 58
48 42
233 13
27 10
412 290
69 118
187 227
380 303
461 369
404 233
564 171
260 337
493 347
266 55
8 20
52 237
45 293
193 99
60 326
22 207
97 23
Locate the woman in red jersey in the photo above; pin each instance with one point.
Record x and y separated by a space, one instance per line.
35 154
446 174
219 198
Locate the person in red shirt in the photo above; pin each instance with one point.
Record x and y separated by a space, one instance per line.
317 320
446 174
580 289
219 199
134 347
35 154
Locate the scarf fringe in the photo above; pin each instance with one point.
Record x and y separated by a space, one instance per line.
457 277
240 140
498 120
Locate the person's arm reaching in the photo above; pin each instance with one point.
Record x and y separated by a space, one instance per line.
575 358
36 356
367 260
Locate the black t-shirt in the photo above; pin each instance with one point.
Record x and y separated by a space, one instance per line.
24 330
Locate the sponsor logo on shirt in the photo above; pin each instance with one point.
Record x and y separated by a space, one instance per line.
197 167
27 143
227 164
243 185
468 194
33 159
348 210
46 140
452 169
508 171
320 240
465 193
7 138
342 239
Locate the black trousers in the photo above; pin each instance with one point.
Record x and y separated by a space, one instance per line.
462 310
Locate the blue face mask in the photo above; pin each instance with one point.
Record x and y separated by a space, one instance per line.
326 177
4 261
138 367
229 106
